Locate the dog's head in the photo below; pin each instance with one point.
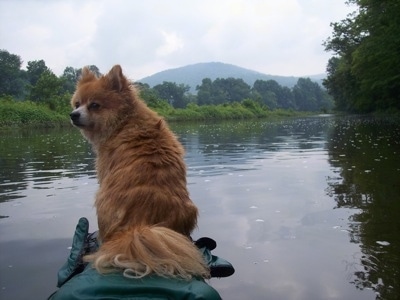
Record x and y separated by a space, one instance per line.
101 104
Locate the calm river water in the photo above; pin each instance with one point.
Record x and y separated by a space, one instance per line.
305 208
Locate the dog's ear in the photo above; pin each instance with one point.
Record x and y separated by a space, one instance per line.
160 124
117 80
87 75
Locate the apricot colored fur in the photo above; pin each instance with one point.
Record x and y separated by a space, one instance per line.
145 215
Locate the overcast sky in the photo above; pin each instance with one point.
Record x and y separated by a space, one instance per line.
274 37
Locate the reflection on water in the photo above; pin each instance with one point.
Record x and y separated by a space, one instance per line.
35 159
217 149
366 153
304 208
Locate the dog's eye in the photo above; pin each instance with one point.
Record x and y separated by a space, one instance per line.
94 105
77 104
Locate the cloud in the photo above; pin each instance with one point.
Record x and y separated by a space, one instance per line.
274 37
172 43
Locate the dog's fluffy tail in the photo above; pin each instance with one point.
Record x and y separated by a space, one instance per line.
150 250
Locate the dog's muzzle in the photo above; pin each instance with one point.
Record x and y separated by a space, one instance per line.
75 116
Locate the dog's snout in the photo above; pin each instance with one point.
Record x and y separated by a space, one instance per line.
75 115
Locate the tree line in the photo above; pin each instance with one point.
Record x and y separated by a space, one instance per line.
364 73
39 84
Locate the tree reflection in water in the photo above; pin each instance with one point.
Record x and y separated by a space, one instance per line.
366 154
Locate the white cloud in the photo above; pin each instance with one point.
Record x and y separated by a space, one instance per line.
172 43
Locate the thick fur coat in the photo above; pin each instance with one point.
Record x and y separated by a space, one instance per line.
145 215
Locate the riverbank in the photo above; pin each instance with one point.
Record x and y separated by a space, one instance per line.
26 113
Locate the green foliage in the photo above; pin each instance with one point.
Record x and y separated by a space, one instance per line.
69 79
205 92
47 87
60 104
173 93
340 83
308 96
248 109
273 95
35 69
364 75
150 96
255 107
305 96
222 90
28 113
12 79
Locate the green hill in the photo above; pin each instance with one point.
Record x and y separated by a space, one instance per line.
192 75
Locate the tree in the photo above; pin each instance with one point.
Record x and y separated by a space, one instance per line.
230 90
222 90
272 94
341 83
376 62
204 92
173 93
364 76
309 96
11 76
35 69
286 99
70 77
150 96
267 92
47 88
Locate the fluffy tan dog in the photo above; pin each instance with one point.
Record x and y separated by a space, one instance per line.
145 215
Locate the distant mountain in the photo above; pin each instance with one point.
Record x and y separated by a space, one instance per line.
193 75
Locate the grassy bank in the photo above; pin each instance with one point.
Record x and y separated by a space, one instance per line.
26 113
247 109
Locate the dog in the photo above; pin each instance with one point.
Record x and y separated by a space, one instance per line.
144 212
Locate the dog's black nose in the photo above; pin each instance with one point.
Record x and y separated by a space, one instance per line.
75 116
